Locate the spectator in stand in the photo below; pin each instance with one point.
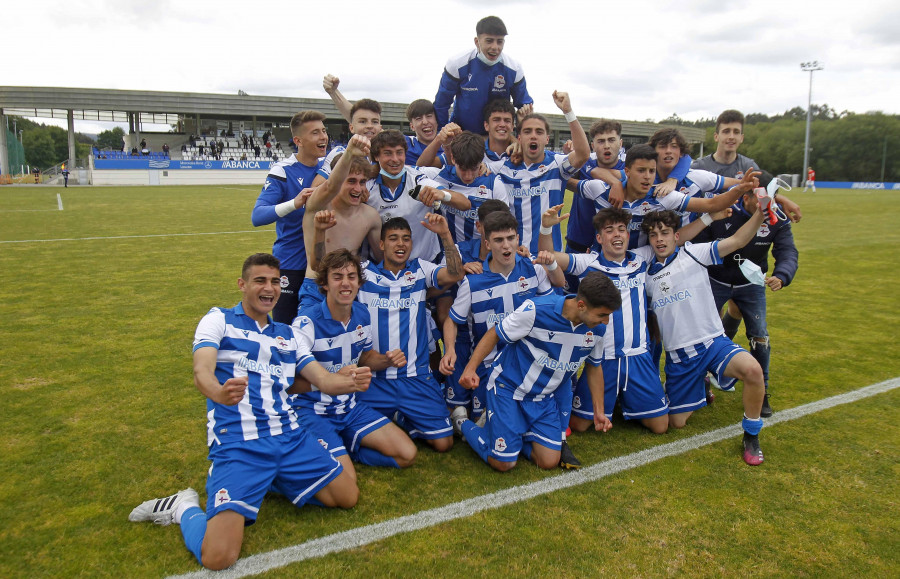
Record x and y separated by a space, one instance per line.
244 140
134 151
244 157
268 152
165 149
200 150
184 149
256 150
193 140
143 144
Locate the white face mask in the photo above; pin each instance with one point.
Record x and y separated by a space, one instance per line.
486 60
751 271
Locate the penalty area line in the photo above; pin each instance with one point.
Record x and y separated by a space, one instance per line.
362 536
135 236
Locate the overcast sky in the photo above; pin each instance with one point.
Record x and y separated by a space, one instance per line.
626 60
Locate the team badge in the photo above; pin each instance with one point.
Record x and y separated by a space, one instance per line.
222 497
542 169
482 191
476 403
500 444
360 332
576 402
499 82
589 340
664 287
522 285
409 277
284 281
763 230
282 343
449 393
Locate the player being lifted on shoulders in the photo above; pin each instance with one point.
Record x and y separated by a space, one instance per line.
692 334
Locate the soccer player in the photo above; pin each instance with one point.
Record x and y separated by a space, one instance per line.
498 122
728 281
545 340
244 362
395 292
281 202
390 193
473 78
810 180
691 330
423 122
507 279
338 332
539 181
365 120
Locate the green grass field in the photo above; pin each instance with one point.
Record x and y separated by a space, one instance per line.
99 413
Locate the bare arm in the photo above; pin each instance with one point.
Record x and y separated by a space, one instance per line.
206 382
330 84
742 236
378 361
596 385
469 378
453 270
581 149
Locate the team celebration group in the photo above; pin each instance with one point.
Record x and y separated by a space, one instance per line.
420 288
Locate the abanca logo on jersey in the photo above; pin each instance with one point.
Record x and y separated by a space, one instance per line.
557 364
676 297
396 304
260 367
529 191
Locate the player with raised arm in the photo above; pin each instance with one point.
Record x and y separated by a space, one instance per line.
546 339
475 77
244 363
338 332
680 296
282 203
395 292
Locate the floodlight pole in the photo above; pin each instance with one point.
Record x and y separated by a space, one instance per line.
809 67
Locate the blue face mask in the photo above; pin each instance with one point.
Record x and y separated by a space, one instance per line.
751 271
389 176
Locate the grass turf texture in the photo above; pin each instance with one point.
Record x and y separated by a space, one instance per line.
99 414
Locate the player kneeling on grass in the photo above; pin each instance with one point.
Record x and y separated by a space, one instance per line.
680 296
546 340
338 332
244 362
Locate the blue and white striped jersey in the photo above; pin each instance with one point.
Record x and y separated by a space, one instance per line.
398 203
334 345
285 180
542 349
414 149
269 357
626 333
462 223
681 298
484 299
534 189
398 312
598 193
698 183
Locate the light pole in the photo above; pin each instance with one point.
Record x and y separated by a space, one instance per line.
809 67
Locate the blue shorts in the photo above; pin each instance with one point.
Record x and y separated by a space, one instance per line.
512 423
308 295
293 463
418 399
686 367
340 434
456 394
634 381
473 399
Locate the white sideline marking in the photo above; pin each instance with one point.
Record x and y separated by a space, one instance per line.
369 534
59 201
135 236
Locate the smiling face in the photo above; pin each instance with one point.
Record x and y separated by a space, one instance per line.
613 239
593 316
366 123
499 127
353 189
663 240
669 154
261 288
490 45
503 245
607 146
396 245
392 159
729 137
343 285
312 139
641 175
425 127
533 138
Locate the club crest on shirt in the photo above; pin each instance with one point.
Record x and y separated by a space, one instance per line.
282 343
500 444
482 191
763 230
522 285
360 333
222 497
589 340
542 169
284 281
664 287
499 82
409 277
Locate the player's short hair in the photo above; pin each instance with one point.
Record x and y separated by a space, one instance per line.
604 126
611 216
498 106
388 138
730 116
499 221
599 291
357 165
366 105
260 259
491 206
534 116
419 108
640 152
394 223
303 117
467 149
491 25
660 219
666 136
337 259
